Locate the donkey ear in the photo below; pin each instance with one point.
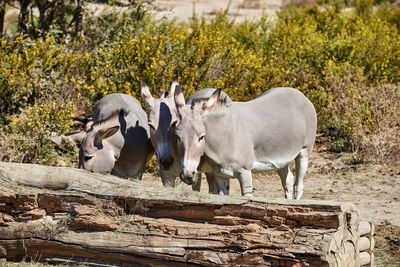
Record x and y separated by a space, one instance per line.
210 103
148 98
180 101
88 125
105 133
161 93
175 83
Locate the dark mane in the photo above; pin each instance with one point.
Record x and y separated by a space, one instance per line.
114 116
198 102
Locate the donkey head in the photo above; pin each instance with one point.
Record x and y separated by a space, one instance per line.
191 132
101 145
162 118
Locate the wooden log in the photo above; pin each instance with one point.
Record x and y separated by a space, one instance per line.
115 221
58 178
366 258
371 244
366 244
366 228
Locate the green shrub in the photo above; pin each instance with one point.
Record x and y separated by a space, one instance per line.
33 129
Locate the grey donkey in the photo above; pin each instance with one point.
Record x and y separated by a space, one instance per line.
117 140
260 135
163 118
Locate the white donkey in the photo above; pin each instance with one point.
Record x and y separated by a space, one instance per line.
260 135
117 140
163 118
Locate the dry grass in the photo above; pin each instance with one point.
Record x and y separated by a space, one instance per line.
387 246
382 146
251 4
367 116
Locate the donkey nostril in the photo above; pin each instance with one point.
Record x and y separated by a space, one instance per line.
166 162
87 158
186 179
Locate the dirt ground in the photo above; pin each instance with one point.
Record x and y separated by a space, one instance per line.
238 9
374 189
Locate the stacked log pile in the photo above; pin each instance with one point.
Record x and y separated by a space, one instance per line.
102 220
366 243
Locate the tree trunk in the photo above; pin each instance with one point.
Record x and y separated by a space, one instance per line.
2 14
42 6
23 17
116 221
75 28
79 18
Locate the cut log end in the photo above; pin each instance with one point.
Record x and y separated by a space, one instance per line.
367 259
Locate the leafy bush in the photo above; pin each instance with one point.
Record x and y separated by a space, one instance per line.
344 60
33 128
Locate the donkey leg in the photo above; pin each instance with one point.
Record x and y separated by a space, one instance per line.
246 183
138 176
167 180
222 185
301 168
287 181
212 183
196 186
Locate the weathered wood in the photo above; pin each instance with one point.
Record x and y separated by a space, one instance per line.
115 221
57 178
364 243
366 228
366 258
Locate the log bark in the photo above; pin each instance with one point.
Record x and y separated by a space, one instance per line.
107 220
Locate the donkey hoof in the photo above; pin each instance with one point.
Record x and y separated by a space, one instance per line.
248 195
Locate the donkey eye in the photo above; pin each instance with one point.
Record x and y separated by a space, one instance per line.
201 138
87 158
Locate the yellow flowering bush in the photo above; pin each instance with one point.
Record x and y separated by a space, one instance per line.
333 55
34 127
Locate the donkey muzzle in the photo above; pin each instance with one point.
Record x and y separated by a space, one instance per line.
166 162
187 177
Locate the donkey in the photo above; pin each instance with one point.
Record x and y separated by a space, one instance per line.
163 118
260 135
117 140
